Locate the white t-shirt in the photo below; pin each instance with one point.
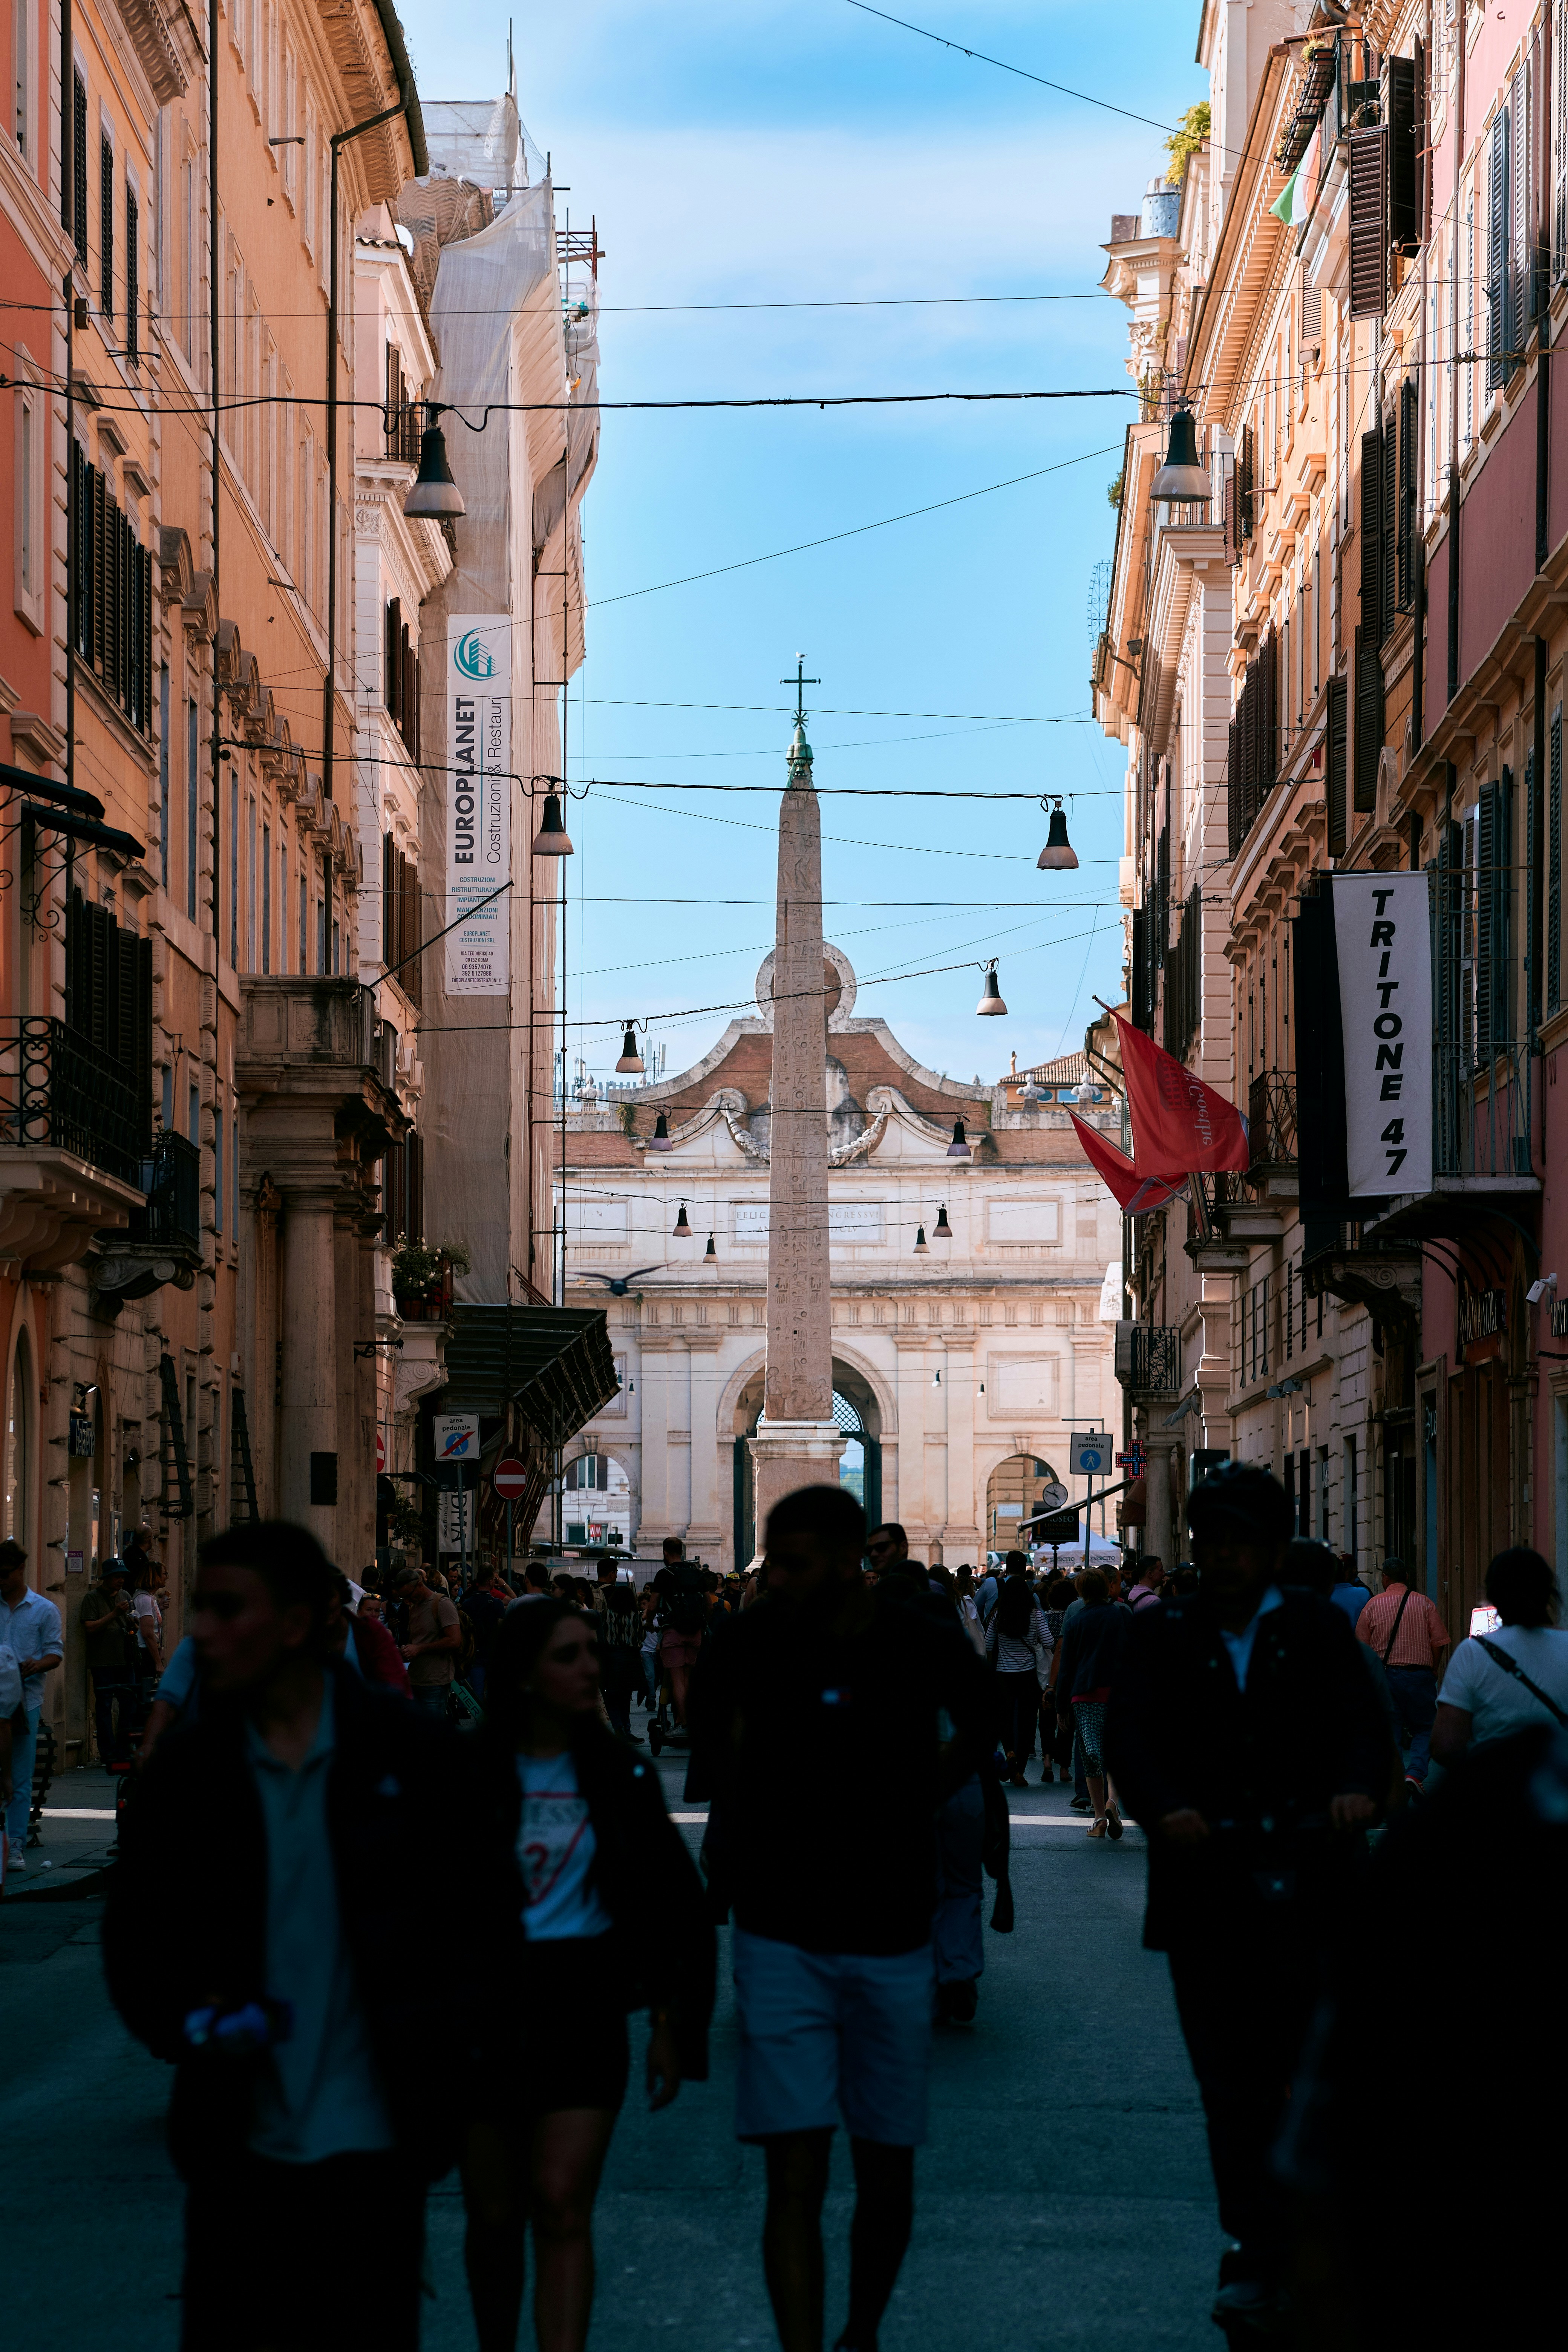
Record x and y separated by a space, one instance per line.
148 1619
1498 1702
555 1847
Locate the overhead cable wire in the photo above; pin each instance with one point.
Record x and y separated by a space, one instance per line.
857 530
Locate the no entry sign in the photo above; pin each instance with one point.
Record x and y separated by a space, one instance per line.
509 1478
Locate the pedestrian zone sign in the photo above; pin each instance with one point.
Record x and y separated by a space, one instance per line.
1090 1452
457 1436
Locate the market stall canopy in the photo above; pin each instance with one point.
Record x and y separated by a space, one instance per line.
553 1362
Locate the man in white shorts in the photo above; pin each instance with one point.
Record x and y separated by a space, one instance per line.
816 1717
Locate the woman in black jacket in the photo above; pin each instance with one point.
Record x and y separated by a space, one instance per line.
613 1916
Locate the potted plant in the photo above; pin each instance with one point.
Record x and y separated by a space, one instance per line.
422 1274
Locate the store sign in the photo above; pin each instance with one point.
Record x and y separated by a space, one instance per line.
478 789
1383 939
1483 1315
83 1444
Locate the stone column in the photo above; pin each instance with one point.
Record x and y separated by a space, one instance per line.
710 1491
802 1444
913 1512
1160 1531
960 1534
308 1421
654 1374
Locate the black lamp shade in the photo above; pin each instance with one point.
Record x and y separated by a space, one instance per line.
682 1229
1059 855
553 840
1181 476
433 494
630 1063
958 1148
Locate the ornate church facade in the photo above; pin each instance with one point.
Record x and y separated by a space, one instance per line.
973 1296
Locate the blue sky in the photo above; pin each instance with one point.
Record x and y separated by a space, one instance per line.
753 153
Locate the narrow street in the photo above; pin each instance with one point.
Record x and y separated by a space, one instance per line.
1064 2196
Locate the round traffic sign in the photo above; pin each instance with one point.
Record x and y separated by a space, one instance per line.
510 1478
380 1454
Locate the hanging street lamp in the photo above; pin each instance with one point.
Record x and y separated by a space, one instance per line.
682 1230
990 994
1058 855
433 494
710 1255
553 840
1181 477
660 1140
942 1230
959 1148
921 1249
631 1063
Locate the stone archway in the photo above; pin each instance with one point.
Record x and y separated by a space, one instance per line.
856 1409
1013 1489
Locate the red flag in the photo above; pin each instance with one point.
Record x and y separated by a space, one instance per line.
1132 1192
1177 1121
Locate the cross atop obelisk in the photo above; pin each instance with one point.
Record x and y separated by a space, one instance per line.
800 1442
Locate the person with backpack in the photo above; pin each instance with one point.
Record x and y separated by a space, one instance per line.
619 1622
1019 1643
683 1621
1401 1626
1514 1678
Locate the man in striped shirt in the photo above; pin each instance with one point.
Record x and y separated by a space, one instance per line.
1400 1627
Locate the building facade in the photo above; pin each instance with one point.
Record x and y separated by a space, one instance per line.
210 1082
969 1330
1347 659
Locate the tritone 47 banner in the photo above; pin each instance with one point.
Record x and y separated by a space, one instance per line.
478 803
1383 939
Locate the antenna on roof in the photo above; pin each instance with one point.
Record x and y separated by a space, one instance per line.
510 63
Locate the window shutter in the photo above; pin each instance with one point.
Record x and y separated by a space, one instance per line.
1372 533
1245 486
389 689
1268 765
144 558
404 698
1519 216
1498 253
1399 116
1140 964
105 227
1409 489
1369 229
1336 757
1422 143
1531 924
100 567
1233 790
1489 943
1388 600
1558 136
1227 516
1368 720
1555 864
132 277
413 706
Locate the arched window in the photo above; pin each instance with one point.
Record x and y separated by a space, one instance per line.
18 1438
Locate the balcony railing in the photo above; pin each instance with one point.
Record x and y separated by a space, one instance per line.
171 1180
1148 1357
59 1092
1271 1122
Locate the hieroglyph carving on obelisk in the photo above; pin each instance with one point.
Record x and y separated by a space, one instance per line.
800 1442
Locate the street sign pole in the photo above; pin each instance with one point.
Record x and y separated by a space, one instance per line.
509 1540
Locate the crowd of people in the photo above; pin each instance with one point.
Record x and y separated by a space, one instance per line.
850 1718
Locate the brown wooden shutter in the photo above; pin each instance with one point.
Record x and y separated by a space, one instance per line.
1369 223
1233 790
1368 720
1388 603
1409 490
1399 119
1335 759
99 565
1372 533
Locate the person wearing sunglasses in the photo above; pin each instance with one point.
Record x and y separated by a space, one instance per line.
273 1928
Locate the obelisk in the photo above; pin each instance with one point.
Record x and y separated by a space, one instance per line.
800 1442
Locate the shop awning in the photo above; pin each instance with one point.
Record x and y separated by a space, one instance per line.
552 1364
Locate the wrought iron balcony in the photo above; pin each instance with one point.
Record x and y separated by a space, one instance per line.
171 1180
1148 1357
1271 1123
60 1092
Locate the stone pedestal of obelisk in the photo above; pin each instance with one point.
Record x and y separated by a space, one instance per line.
800 1442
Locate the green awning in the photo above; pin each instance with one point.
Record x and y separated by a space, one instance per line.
553 1362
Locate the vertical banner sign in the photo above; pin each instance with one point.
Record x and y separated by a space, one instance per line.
478 802
1382 936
